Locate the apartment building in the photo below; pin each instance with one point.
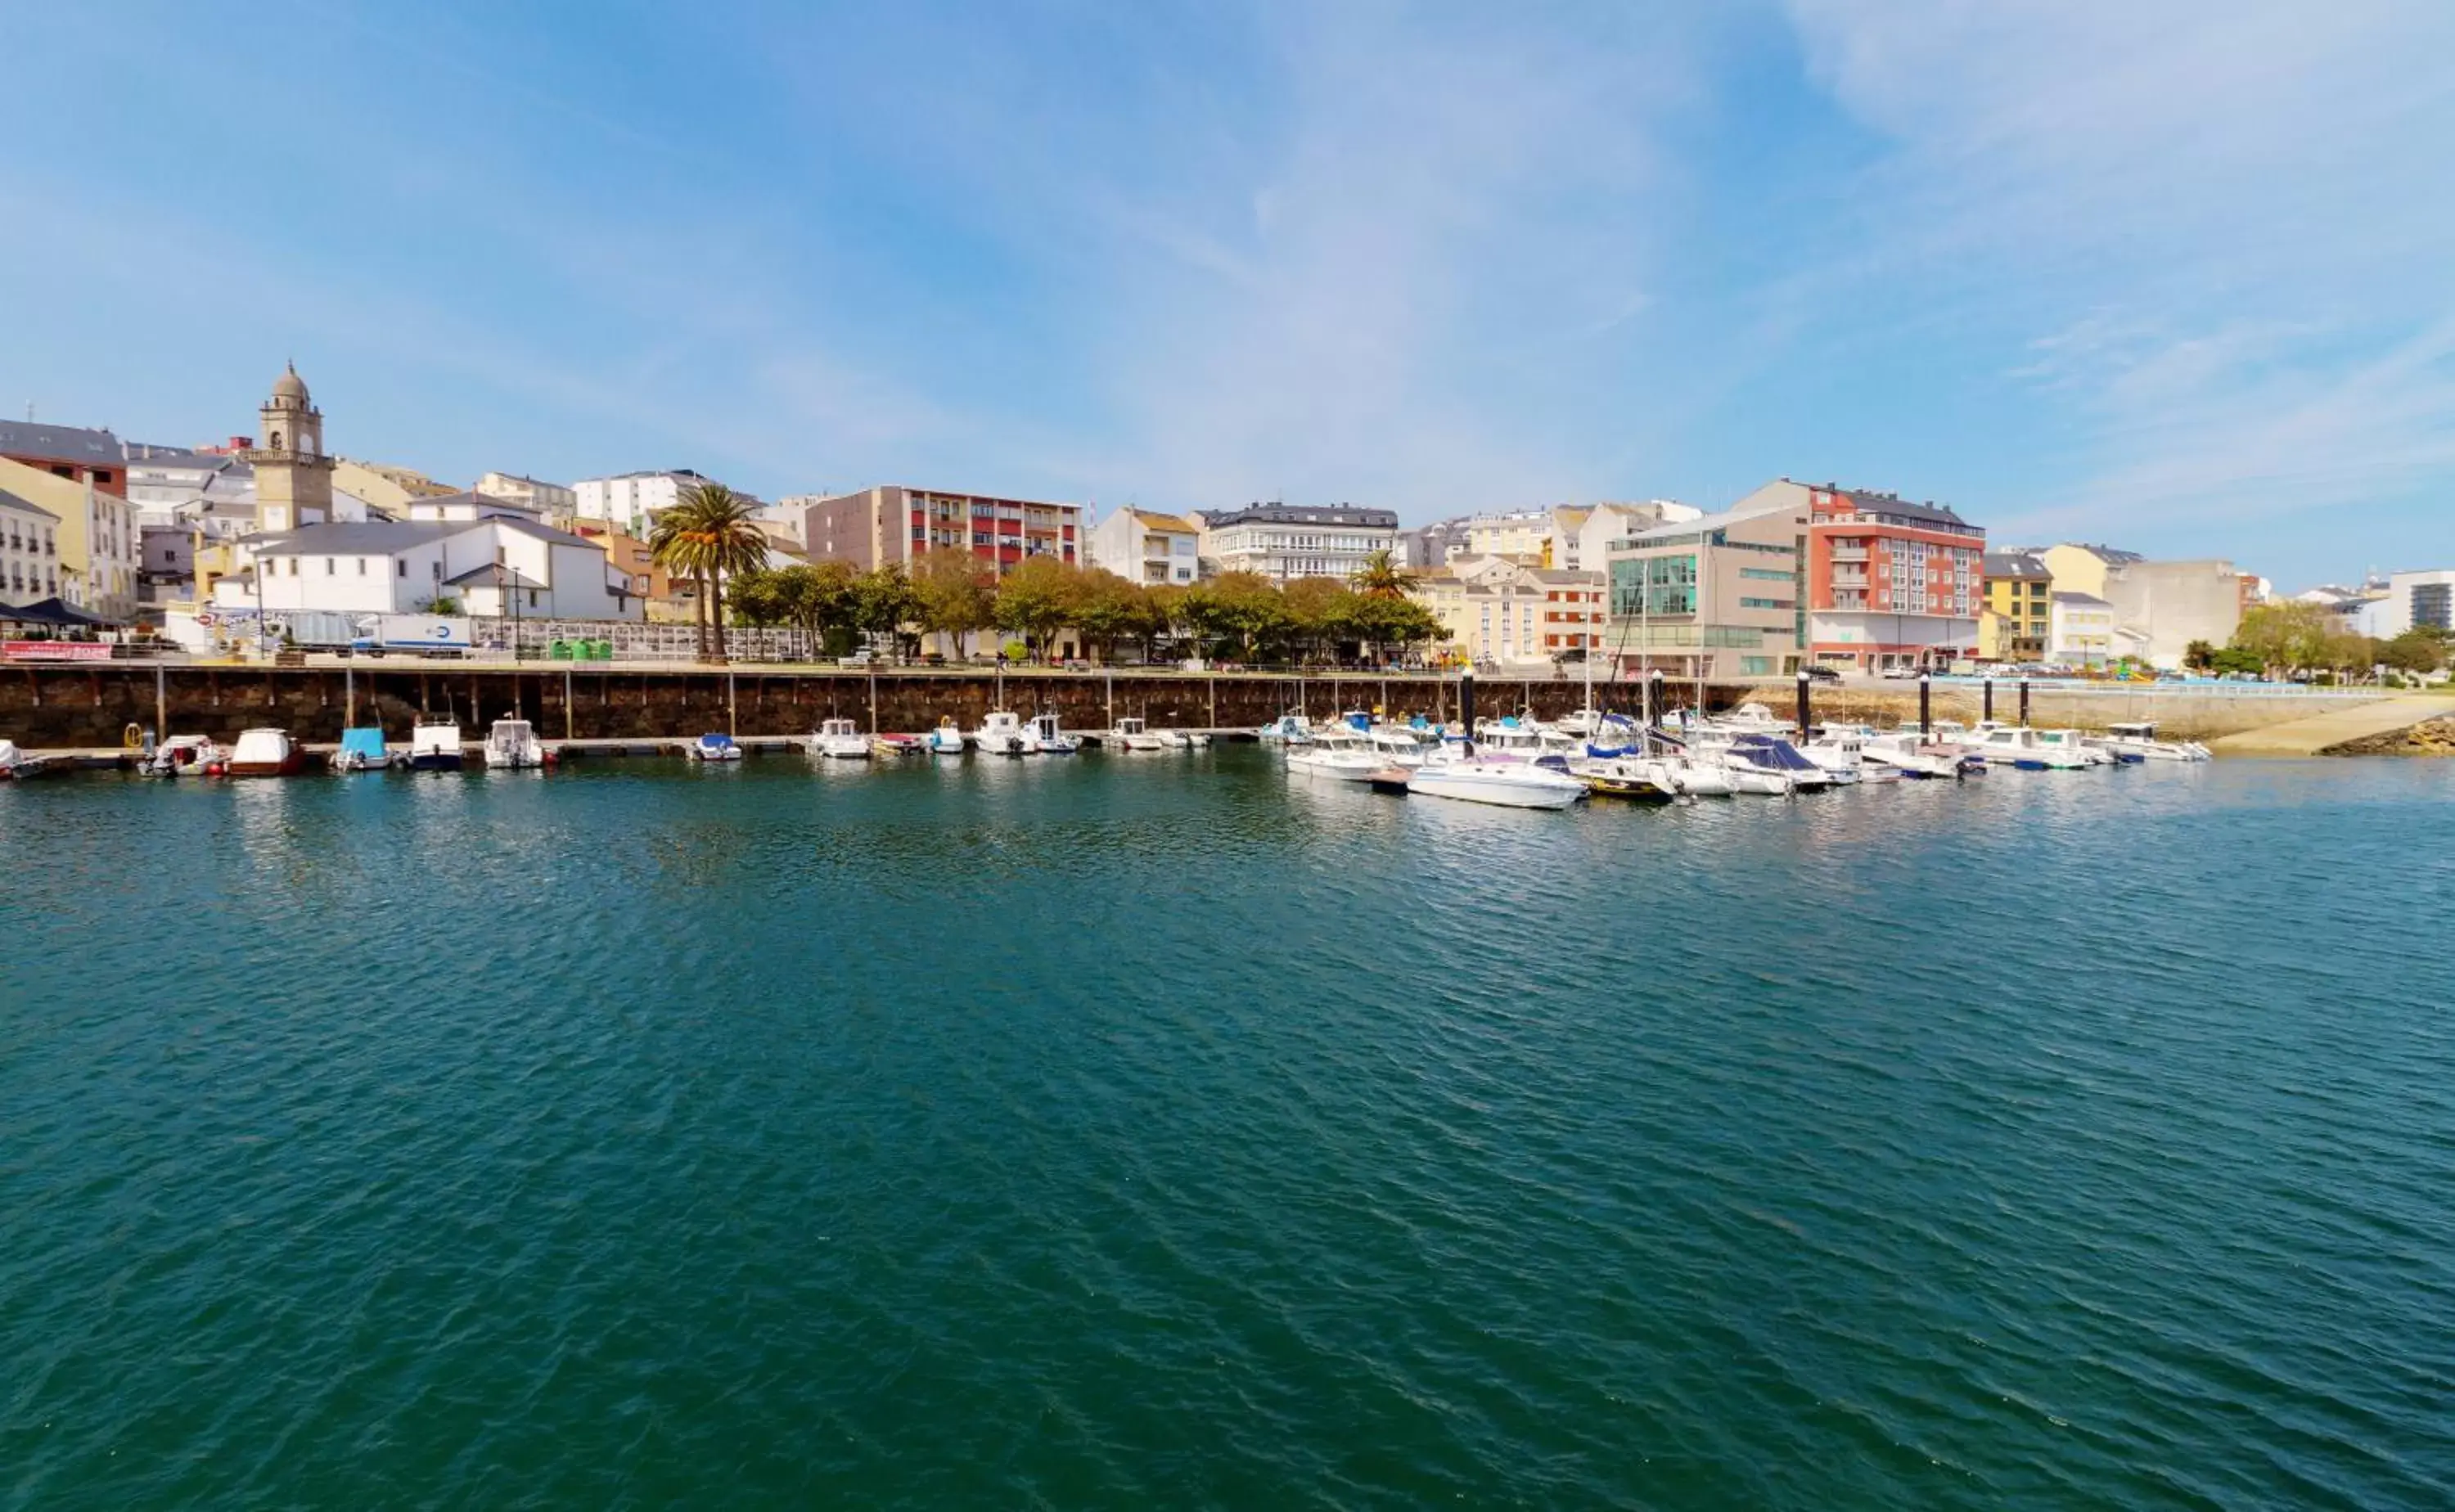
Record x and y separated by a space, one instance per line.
630 501
1143 546
1287 541
29 552
1890 582
895 523
73 452
93 537
2016 619
553 500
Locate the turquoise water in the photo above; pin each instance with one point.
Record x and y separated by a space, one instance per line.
1147 1132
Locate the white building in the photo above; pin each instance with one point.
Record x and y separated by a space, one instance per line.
494 564
29 554
551 499
1143 546
631 501
1287 541
2080 630
2411 599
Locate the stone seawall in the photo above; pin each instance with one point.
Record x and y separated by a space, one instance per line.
72 707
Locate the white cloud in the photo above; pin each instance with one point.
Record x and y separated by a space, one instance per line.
2224 219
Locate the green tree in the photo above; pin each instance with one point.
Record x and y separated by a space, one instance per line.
1381 577
1245 608
882 600
1035 601
1320 614
2291 637
1107 608
2199 656
1384 623
708 536
2421 649
956 593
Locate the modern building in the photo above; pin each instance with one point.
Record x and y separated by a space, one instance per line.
70 452
30 551
632 501
1143 546
2083 631
551 500
1718 597
93 538
2423 598
1890 582
894 524
1287 541
2014 621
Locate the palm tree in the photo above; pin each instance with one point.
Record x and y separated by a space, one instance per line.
709 535
1381 577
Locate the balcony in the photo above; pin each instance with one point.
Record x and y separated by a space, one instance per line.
1848 577
1849 553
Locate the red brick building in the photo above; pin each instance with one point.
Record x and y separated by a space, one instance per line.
1890 583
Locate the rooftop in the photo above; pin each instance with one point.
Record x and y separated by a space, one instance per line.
1277 513
2083 600
382 536
1153 520
58 442
2016 565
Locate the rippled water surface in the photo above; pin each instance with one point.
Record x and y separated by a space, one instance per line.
1150 1132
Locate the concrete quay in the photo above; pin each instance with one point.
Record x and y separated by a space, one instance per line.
2319 733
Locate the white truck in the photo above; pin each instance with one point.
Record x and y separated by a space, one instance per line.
413 634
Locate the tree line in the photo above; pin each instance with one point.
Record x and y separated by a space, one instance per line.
949 592
2308 638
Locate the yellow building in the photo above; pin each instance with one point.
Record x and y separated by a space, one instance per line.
2015 619
97 538
389 489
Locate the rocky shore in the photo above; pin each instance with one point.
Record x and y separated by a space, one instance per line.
2432 737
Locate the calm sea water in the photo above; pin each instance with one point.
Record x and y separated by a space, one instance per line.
1149 1131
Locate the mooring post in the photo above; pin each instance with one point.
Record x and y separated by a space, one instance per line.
348 696
566 700
728 703
161 705
2024 702
1806 724
1926 708
1986 699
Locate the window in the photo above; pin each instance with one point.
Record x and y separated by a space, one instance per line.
403 565
1764 603
294 566
532 593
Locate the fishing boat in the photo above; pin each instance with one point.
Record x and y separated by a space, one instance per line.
839 740
899 745
182 755
512 746
435 745
948 739
1132 734
1049 738
363 750
265 753
713 746
1841 752
1336 752
2139 738
1002 733
1545 783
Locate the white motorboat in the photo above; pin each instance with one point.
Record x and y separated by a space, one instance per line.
10 758
512 745
839 740
714 746
1842 753
1697 779
1511 740
180 755
2018 746
1049 738
1288 729
1545 784
1751 718
1132 734
1909 754
948 739
2070 741
1335 752
435 746
1184 740
1002 733
1400 745
2137 738
265 753
1771 753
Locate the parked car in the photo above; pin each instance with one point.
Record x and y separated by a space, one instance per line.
1819 671
1901 674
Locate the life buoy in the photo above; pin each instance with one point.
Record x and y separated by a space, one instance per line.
132 738
205 617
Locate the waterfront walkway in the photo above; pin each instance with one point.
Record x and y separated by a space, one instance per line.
2324 731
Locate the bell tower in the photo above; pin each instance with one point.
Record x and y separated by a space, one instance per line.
294 477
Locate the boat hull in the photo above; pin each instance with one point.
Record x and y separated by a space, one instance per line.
1499 792
437 762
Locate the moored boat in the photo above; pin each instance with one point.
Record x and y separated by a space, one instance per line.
714 746
1002 733
1540 784
1133 734
948 739
435 746
899 745
512 746
1638 778
182 755
265 753
2137 738
1336 752
839 740
1049 736
363 750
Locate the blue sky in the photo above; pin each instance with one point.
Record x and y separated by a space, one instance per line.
2179 276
